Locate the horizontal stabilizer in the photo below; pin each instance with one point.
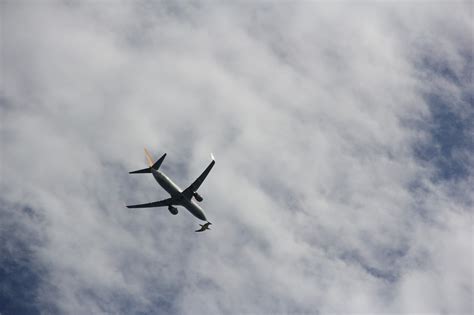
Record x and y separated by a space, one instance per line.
143 171
155 165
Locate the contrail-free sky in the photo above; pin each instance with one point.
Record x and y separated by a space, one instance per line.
343 134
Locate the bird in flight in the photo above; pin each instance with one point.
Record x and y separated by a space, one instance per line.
186 198
204 227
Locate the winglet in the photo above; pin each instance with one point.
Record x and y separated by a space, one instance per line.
212 157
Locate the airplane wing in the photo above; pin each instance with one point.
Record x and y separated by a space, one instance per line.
161 203
197 183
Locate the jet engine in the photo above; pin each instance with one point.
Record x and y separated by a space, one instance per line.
198 197
173 210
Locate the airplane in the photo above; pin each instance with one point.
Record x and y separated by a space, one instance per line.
178 197
204 227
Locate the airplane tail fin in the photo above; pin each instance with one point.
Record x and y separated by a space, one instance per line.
151 165
148 157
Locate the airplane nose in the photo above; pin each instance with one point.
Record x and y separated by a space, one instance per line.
202 216
197 211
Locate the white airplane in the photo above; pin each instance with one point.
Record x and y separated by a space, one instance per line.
178 197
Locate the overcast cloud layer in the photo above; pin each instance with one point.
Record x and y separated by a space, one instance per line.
343 137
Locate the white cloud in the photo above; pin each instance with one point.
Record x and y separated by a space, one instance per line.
314 111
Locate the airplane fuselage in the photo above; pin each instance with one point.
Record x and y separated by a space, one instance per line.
175 191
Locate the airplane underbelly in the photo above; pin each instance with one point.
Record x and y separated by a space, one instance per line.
175 191
195 210
171 189
168 185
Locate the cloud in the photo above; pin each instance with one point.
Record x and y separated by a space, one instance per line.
330 193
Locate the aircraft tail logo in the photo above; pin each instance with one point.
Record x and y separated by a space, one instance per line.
148 157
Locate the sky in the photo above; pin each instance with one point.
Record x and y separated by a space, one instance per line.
343 139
